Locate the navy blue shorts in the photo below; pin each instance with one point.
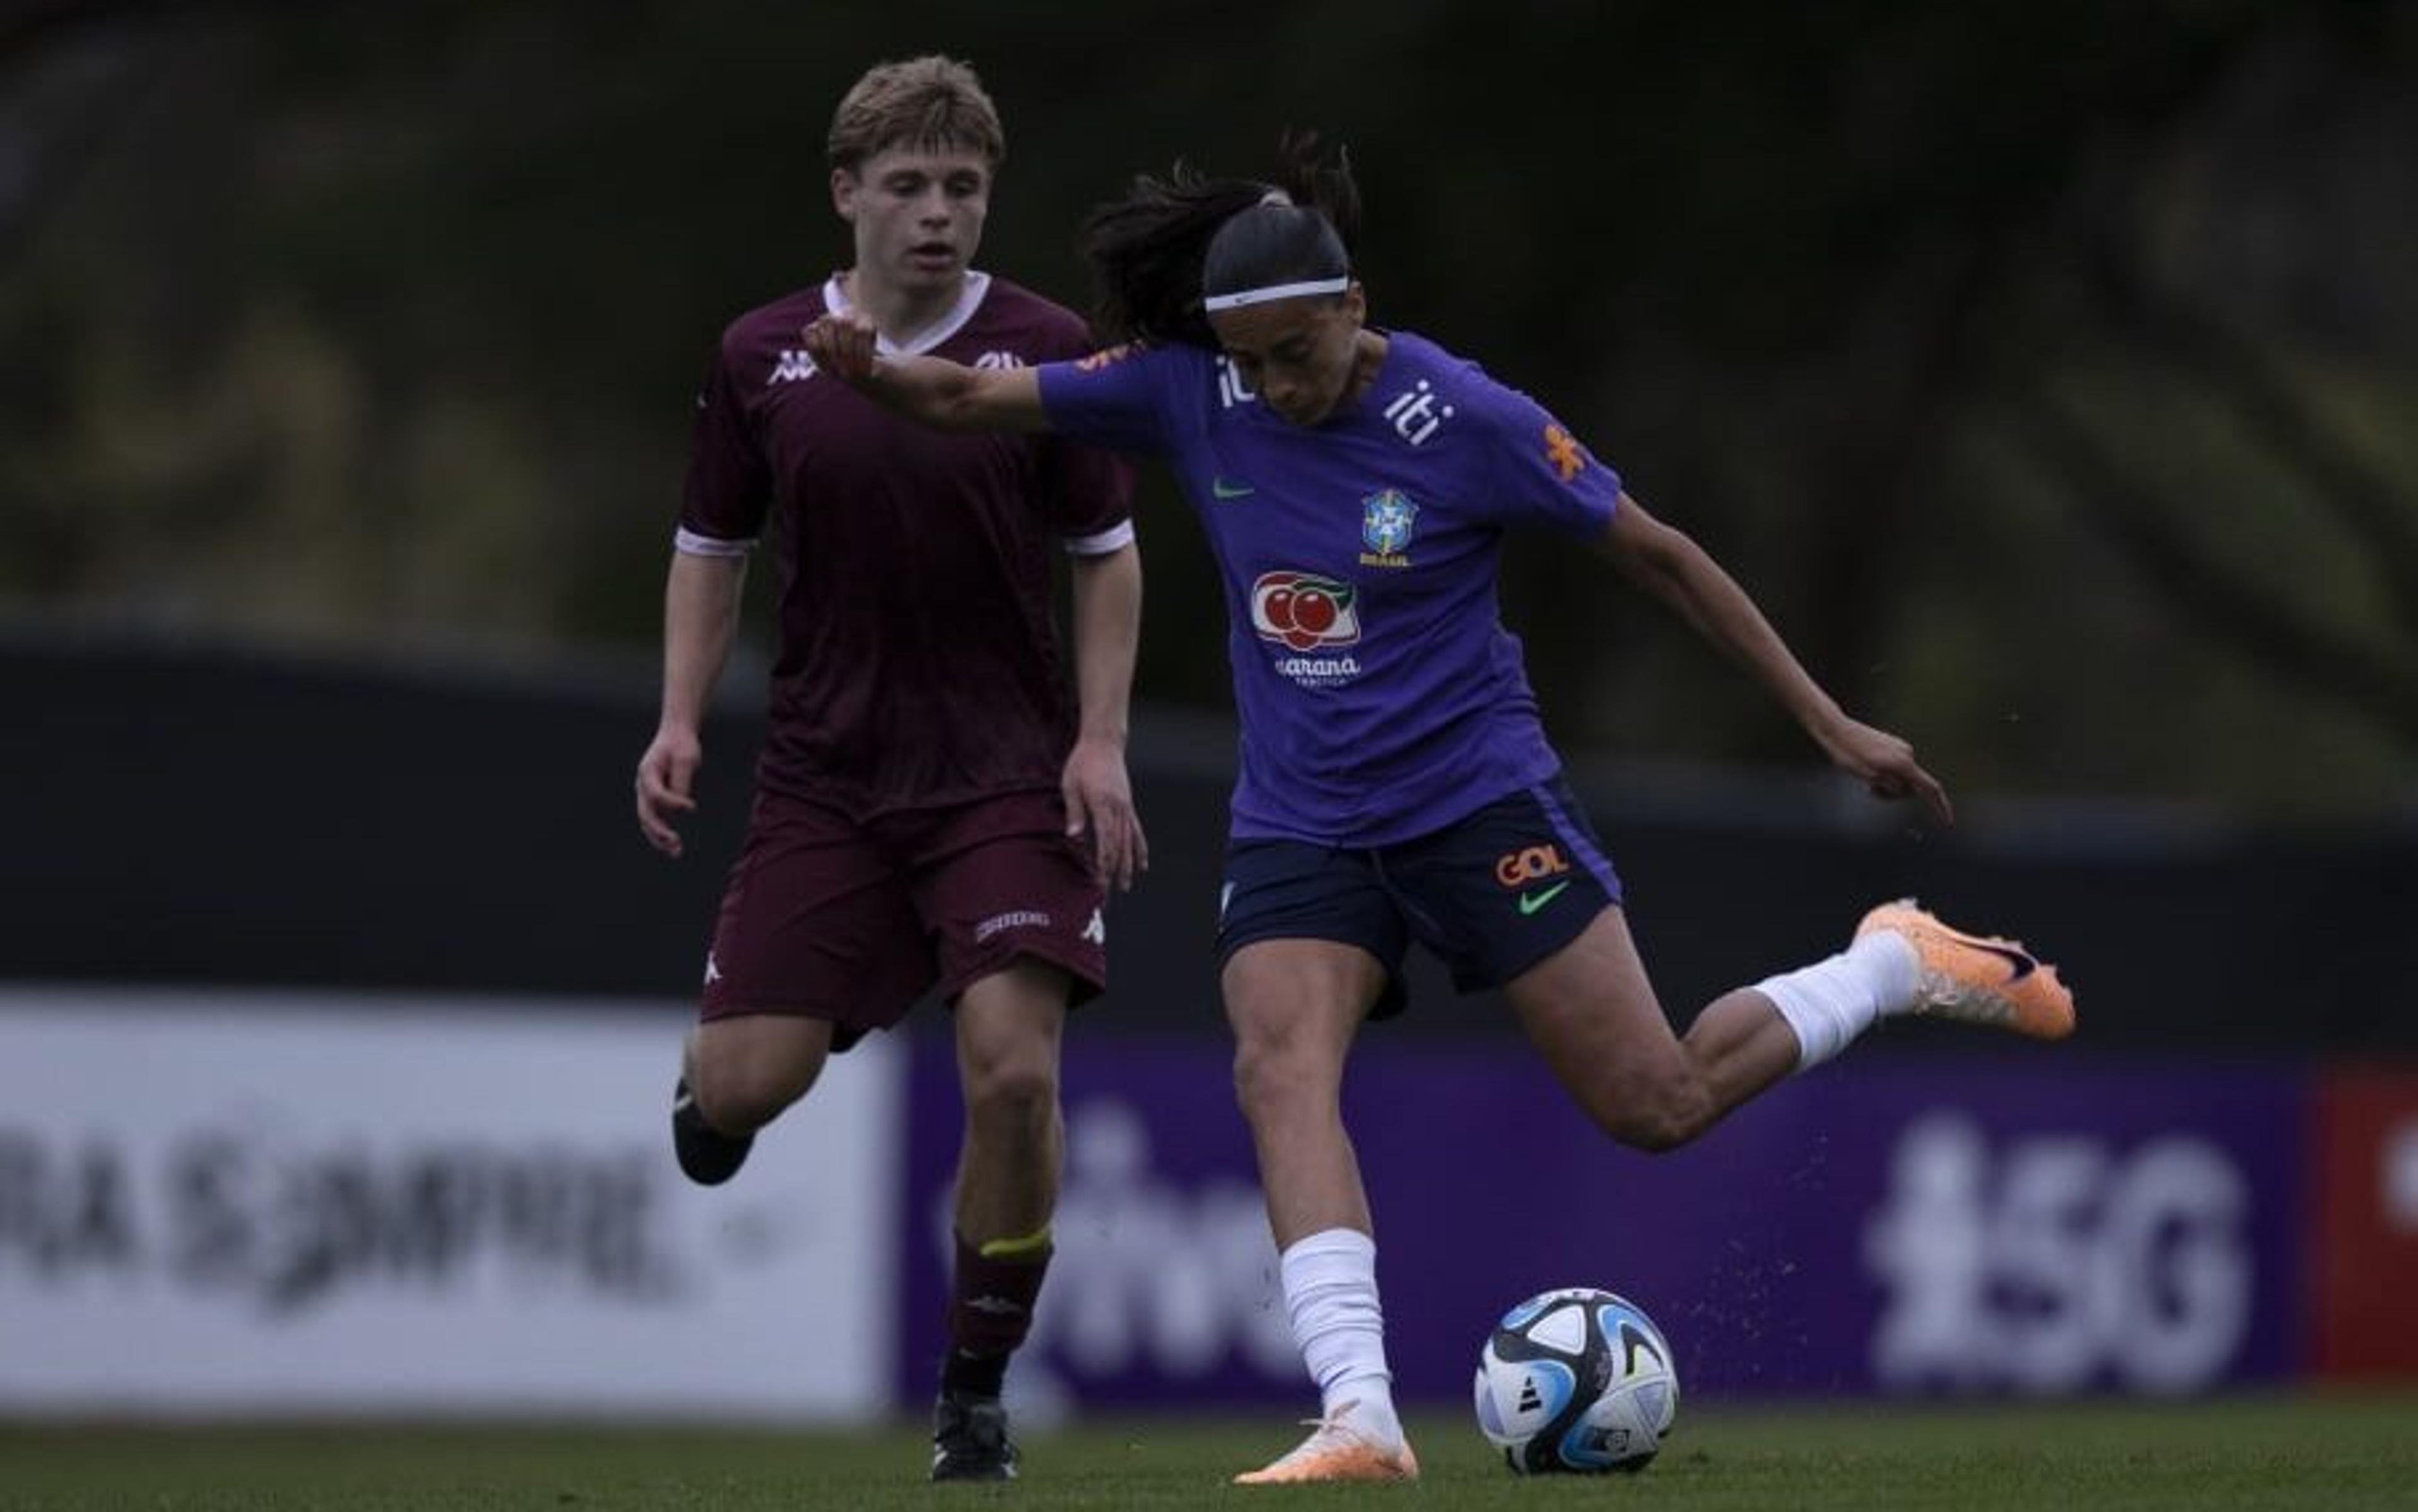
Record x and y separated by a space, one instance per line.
1491 895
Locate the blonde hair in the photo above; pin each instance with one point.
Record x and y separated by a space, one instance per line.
930 104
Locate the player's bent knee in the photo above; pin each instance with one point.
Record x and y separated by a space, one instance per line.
1269 1084
738 1097
1657 1120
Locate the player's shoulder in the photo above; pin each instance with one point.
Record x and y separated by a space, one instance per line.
1425 359
761 334
1032 326
1447 380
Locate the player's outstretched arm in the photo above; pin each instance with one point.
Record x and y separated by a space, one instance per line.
1667 563
948 395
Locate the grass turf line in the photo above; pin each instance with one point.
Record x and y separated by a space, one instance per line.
2315 1452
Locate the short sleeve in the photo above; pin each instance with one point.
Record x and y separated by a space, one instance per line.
1090 494
1549 477
728 490
1113 398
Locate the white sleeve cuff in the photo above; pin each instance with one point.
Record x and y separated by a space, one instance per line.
1115 537
689 543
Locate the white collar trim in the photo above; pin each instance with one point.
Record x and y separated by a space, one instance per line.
969 300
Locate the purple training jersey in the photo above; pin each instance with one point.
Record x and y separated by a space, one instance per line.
918 664
1380 695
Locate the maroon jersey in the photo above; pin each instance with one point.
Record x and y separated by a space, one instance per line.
918 664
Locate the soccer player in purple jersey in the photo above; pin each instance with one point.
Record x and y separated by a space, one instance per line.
1355 486
928 812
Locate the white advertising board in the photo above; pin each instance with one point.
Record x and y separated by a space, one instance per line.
235 1203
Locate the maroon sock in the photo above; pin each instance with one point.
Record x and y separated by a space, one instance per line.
990 1312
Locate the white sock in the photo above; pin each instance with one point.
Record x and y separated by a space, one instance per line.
1830 1002
1330 1287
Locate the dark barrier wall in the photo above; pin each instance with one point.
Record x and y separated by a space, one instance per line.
231 818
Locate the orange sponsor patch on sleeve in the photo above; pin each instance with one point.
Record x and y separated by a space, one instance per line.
1562 450
1101 359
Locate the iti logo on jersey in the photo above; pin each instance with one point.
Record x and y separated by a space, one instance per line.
1386 520
1416 413
1304 611
1231 389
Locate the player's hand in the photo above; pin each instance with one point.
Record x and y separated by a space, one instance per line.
842 344
1884 764
1099 802
667 779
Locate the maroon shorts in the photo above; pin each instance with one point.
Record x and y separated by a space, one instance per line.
831 917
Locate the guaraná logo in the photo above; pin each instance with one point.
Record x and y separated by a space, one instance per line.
1303 610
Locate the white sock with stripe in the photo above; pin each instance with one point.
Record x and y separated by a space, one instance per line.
1830 1002
1330 1288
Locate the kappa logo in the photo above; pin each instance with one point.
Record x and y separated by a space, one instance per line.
793 367
712 969
999 361
1564 453
1416 413
1098 930
1387 522
1303 610
1013 919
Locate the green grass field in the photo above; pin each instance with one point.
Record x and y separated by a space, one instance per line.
2314 1452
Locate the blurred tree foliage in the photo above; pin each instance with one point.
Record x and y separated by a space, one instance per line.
2045 370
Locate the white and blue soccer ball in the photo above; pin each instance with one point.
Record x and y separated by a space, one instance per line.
1576 1381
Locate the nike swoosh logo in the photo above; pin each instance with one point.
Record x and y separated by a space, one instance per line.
1225 489
2020 964
1531 902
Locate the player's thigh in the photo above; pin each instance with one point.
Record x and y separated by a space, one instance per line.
1590 1009
817 921
750 1066
1294 1004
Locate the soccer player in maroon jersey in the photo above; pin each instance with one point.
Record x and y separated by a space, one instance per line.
928 811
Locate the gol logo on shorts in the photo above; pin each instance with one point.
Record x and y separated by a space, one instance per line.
1520 868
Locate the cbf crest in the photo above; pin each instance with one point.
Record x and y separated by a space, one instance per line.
1387 520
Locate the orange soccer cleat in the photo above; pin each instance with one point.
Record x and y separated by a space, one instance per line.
1336 1451
1978 979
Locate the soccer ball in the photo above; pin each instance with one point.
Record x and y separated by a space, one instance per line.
1576 1381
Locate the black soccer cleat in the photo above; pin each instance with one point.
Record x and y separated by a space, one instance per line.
969 1438
706 1156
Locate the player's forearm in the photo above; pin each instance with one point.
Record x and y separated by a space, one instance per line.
701 597
1107 632
950 396
1685 577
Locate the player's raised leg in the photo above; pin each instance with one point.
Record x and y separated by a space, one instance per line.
1591 1011
1294 1005
737 1075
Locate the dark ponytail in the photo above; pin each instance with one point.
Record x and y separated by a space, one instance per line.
1151 249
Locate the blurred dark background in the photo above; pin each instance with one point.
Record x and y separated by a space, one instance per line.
2047 371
